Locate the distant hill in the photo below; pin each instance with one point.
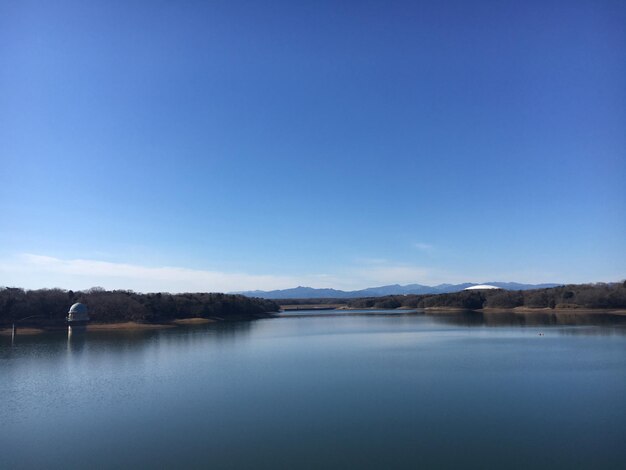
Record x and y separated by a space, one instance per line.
301 292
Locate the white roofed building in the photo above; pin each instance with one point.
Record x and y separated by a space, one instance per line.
482 287
77 313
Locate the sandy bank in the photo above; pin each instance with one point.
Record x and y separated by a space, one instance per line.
122 326
127 326
290 307
193 321
447 309
21 331
556 311
529 310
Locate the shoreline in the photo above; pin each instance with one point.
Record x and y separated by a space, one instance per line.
531 310
194 321
129 325
493 310
121 326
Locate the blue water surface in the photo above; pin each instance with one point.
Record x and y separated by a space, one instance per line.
402 390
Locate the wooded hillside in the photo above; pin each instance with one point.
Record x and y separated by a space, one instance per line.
594 296
49 306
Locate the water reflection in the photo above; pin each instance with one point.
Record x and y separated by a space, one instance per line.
79 339
508 319
472 318
76 338
457 390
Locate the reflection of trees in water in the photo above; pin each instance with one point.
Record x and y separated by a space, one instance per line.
124 343
472 318
468 318
220 332
228 330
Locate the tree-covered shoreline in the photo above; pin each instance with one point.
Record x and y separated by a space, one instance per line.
572 296
48 307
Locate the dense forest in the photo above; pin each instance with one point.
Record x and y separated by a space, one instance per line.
314 301
596 296
50 306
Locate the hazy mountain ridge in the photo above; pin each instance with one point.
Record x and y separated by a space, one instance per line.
302 292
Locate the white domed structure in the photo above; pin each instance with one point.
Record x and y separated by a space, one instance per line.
77 313
481 287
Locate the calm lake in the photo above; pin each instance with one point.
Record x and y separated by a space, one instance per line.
325 391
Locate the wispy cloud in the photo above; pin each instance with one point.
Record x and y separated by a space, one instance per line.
369 276
371 261
35 271
425 247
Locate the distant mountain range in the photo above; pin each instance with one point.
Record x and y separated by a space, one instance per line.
395 289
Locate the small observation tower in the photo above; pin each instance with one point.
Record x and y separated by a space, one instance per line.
77 314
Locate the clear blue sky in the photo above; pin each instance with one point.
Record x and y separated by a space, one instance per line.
230 145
